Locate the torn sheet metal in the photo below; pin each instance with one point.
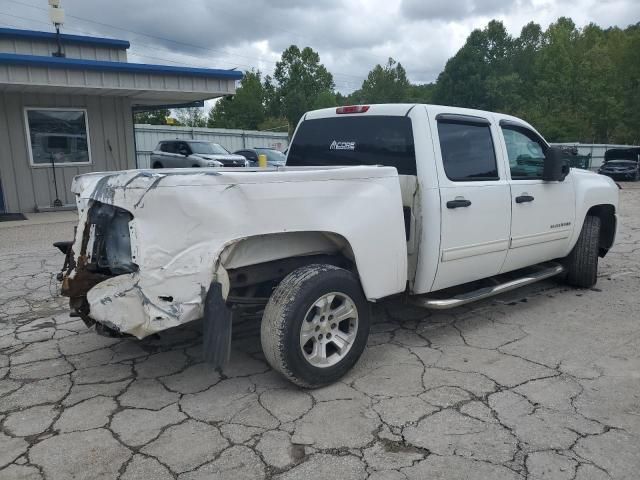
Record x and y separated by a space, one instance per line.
188 223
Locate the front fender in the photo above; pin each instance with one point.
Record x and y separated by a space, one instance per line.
591 191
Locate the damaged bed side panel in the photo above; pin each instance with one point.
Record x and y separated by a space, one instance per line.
181 222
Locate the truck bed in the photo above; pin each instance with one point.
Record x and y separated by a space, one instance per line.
188 226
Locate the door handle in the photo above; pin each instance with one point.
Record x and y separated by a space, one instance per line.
458 203
524 199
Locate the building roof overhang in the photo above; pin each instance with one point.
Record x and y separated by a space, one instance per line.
15 33
145 84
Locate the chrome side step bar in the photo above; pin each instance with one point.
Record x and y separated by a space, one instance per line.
468 297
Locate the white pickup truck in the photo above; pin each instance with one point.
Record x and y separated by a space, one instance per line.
442 205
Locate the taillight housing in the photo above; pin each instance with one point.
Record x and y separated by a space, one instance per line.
352 109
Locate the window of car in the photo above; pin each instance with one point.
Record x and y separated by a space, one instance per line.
468 154
526 152
364 140
248 154
183 148
272 155
208 148
168 147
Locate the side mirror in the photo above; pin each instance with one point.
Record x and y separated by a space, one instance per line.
182 151
556 166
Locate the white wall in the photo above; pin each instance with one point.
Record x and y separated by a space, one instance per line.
148 136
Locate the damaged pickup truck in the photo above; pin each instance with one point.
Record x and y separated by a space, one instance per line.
441 205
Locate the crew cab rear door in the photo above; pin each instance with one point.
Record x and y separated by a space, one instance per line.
474 196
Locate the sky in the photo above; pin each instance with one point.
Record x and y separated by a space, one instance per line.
351 36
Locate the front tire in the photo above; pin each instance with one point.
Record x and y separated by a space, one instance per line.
315 325
582 262
157 165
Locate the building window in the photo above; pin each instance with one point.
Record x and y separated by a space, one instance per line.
58 135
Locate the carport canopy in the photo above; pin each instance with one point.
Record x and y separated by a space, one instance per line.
144 84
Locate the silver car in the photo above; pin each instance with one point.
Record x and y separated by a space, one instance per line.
194 154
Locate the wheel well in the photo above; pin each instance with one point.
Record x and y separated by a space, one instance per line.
255 265
157 165
259 279
607 215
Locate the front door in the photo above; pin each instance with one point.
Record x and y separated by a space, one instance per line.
543 213
474 199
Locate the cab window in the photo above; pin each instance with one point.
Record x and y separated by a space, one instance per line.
526 153
467 150
355 140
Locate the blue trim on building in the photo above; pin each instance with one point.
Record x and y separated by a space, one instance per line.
123 67
15 33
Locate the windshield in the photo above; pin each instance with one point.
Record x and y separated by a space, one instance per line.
272 155
208 148
355 140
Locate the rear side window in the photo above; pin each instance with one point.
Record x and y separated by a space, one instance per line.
356 140
467 151
169 147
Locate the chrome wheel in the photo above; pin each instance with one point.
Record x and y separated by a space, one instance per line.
329 329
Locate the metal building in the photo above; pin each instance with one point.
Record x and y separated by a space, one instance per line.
65 115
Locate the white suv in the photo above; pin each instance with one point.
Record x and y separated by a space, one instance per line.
194 154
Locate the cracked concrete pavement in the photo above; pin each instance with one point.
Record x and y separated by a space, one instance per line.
540 383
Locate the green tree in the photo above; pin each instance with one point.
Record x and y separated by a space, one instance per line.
301 79
272 103
274 124
388 84
628 73
243 110
191 117
420 93
325 99
481 73
153 117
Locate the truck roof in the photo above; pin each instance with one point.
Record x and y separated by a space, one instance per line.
401 109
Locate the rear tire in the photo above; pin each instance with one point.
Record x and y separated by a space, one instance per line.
157 165
582 262
315 325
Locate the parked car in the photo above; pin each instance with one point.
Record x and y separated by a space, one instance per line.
621 164
621 169
194 154
274 157
442 205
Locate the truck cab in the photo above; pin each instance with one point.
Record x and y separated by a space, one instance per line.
474 192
